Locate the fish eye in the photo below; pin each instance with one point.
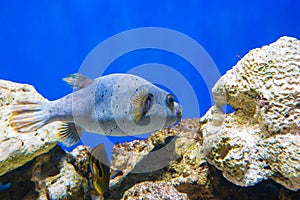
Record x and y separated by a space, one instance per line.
148 103
170 100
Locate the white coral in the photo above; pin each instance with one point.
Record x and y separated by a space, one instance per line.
261 139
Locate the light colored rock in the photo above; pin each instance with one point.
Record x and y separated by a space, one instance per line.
171 156
17 149
71 178
153 191
188 173
68 184
53 175
67 181
261 139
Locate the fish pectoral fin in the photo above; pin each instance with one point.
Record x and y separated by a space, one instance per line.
69 133
78 81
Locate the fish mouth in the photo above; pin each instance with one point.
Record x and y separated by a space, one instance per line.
179 116
179 113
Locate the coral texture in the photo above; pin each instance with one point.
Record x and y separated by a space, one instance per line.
53 175
17 149
171 155
27 161
152 191
261 139
257 145
257 142
69 183
187 171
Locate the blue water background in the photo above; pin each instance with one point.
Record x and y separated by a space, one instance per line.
43 41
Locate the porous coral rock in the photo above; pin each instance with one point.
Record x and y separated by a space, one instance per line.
53 175
248 146
261 139
17 149
170 156
152 191
25 157
68 184
188 173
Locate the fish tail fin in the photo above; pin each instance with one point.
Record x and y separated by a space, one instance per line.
28 116
69 133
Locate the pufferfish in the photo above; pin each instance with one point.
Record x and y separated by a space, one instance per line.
115 104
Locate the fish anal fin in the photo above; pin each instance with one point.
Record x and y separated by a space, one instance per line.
78 81
69 134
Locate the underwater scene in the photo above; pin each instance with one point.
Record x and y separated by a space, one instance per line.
138 100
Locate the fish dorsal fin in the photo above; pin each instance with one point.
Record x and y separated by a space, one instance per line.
78 81
69 134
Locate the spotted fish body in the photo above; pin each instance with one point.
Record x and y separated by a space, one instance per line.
116 104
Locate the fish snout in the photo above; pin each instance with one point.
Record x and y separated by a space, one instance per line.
179 113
